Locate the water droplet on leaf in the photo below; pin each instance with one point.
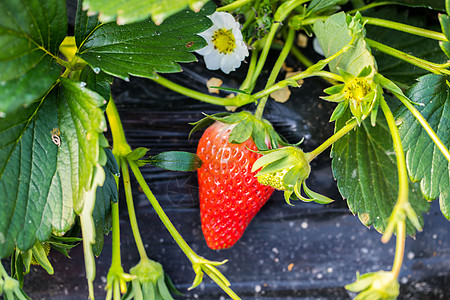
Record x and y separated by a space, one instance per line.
96 70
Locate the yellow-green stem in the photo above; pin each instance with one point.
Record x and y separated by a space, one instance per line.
400 155
425 125
421 63
131 211
236 101
399 248
233 6
405 28
120 145
224 287
369 6
245 86
275 70
116 258
331 140
161 214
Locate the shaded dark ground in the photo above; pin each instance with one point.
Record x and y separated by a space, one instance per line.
307 251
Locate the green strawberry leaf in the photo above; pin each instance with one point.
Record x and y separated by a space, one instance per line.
84 24
30 35
424 160
142 49
42 183
174 161
103 197
364 165
333 35
99 83
127 12
318 5
445 26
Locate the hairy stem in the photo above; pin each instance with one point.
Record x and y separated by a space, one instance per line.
235 101
131 210
233 6
405 28
275 71
399 248
421 63
331 140
120 144
431 133
161 214
116 257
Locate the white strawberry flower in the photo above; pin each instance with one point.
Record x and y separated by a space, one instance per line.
226 48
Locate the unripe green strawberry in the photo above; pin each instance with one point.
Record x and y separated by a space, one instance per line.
230 194
275 179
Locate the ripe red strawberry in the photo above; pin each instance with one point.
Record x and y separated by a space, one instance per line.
230 194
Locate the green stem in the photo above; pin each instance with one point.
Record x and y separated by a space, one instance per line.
121 147
220 283
405 28
369 6
400 155
162 215
421 63
399 249
282 12
235 101
245 86
331 140
116 259
431 133
233 6
275 71
292 82
131 211
300 57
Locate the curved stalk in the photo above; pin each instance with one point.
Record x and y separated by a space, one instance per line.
233 6
399 249
418 62
405 28
235 101
131 211
331 140
431 133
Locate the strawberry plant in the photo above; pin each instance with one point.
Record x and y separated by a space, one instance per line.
61 178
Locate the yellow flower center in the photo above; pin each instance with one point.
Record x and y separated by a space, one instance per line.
224 41
357 89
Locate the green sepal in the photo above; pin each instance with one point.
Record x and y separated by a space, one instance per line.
163 290
318 198
137 153
41 257
334 89
62 244
26 260
291 177
298 192
270 157
339 111
205 122
287 197
174 161
334 98
242 131
374 112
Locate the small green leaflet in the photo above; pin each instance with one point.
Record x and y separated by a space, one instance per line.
30 34
142 49
318 5
42 183
126 12
333 35
424 160
84 24
365 168
174 161
104 195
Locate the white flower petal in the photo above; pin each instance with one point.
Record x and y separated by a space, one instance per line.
229 63
213 60
205 50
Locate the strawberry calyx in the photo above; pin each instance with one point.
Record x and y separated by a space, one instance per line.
286 169
246 126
